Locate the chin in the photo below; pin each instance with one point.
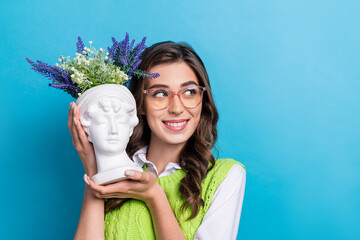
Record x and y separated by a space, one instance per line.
175 140
113 150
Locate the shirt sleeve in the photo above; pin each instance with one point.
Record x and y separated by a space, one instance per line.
222 219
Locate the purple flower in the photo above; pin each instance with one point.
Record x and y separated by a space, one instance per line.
80 45
60 78
127 57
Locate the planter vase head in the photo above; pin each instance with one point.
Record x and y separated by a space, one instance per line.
108 116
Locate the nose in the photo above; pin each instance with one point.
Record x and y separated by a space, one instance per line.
176 106
113 128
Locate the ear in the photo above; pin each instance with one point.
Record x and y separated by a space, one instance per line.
86 129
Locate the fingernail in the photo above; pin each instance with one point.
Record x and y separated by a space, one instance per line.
75 122
85 179
89 179
72 104
129 173
74 110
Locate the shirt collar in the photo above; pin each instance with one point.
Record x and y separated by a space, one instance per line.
140 160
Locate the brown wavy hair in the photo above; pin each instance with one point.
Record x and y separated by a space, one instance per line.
196 158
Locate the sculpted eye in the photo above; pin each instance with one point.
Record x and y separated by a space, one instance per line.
100 122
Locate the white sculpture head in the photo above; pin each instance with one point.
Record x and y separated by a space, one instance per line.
108 116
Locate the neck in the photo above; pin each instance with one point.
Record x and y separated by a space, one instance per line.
106 162
161 153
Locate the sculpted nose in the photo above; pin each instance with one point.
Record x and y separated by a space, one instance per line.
113 129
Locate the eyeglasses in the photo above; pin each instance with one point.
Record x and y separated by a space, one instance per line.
160 98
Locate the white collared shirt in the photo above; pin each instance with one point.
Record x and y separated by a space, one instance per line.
221 221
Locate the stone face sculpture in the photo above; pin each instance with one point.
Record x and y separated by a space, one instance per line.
108 116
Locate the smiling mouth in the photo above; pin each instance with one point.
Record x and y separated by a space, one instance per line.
176 124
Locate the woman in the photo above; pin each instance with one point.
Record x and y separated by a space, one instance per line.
184 193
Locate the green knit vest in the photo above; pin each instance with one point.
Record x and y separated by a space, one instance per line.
132 221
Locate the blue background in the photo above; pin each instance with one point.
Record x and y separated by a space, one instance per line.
285 75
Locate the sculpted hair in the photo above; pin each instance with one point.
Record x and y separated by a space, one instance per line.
196 158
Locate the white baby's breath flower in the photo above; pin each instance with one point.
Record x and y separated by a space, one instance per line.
106 58
90 42
56 64
79 94
101 49
59 59
107 53
84 52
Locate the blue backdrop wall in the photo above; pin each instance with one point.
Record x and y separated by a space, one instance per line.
285 75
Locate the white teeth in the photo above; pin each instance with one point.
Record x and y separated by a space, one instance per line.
175 124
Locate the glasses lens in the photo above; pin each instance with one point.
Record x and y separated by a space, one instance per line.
191 96
159 97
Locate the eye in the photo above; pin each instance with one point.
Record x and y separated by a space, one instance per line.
160 93
100 121
190 92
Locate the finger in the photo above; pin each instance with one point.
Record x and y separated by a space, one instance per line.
74 133
75 111
138 176
70 115
79 128
95 193
117 195
81 134
72 124
85 179
111 188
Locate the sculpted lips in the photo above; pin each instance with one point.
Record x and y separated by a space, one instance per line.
176 124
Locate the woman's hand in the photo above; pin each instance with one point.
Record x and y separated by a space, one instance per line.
144 186
140 185
84 148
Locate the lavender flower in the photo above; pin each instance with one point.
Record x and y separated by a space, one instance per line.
91 67
60 77
127 57
80 45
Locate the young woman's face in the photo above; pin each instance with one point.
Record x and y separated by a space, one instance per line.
174 124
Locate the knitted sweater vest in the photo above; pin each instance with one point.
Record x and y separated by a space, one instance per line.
132 221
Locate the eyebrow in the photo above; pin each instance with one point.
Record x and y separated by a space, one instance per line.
166 86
